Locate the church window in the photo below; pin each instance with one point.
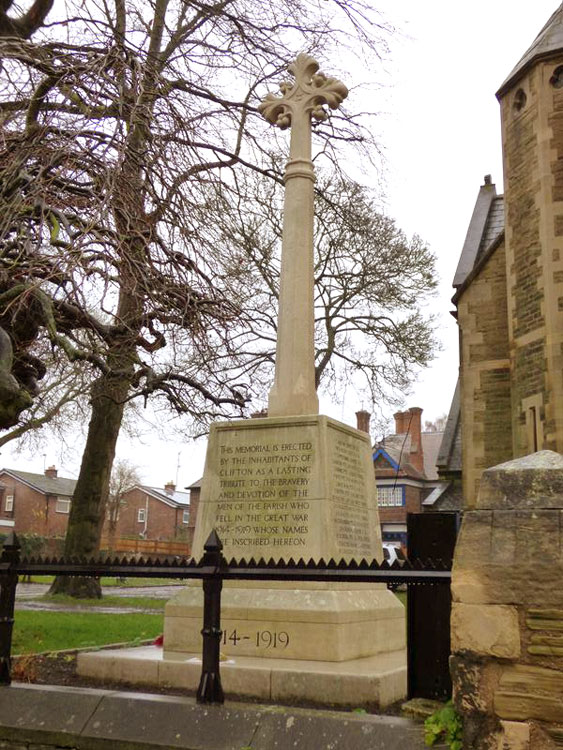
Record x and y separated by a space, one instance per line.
556 79
534 429
520 100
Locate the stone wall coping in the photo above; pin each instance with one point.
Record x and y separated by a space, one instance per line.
94 719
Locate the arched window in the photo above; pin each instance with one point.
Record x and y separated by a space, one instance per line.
520 100
556 79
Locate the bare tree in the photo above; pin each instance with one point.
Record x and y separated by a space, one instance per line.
124 476
26 23
114 125
371 288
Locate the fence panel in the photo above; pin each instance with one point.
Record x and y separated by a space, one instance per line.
430 536
212 570
146 547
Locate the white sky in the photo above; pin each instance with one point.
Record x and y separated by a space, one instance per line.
441 132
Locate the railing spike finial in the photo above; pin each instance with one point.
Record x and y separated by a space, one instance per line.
213 543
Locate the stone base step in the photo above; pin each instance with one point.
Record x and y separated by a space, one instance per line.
375 680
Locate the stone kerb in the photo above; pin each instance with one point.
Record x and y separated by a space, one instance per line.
507 613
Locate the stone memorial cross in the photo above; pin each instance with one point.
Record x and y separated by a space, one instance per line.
294 392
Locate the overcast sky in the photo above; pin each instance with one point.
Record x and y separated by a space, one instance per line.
440 128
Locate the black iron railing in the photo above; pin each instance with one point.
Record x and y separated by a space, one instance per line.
212 569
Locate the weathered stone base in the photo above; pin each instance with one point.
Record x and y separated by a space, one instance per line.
313 623
376 681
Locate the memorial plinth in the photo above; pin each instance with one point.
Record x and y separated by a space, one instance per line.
289 487
300 487
293 485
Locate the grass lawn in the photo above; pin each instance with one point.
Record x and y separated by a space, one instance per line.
402 597
128 583
54 631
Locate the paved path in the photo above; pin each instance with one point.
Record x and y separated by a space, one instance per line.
29 594
35 590
50 717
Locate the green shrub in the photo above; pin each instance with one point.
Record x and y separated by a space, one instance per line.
444 724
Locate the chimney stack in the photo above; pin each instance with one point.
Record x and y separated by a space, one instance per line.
362 420
51 472
416 458
401 422
169 487
410 422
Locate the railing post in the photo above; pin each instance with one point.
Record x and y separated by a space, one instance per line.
210 690
9 558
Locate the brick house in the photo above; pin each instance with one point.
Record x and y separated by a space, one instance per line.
35 503
40 504
195 492
509 279
155 513
405 473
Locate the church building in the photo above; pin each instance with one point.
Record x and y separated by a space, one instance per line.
509 280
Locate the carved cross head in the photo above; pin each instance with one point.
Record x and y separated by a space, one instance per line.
309 92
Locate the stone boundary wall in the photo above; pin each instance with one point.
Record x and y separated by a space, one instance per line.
507 612
39 717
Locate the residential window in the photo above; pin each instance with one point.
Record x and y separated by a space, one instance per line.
141 515
9 503
390 497
62 505
186 516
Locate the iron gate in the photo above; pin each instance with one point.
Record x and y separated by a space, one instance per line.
430 536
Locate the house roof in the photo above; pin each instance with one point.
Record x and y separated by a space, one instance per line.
448 496
172 497
547 43
431 442
396 450
48 486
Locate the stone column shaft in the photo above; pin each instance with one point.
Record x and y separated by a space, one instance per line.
294 391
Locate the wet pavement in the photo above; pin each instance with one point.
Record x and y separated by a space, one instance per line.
28 596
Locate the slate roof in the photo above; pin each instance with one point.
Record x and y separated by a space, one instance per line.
58 486
398 448
448 496
485 228
449 455
547 43
494 226
170 498
431 442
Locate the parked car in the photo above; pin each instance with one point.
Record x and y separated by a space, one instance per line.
391 554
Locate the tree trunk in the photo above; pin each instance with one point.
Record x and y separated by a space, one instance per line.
83 532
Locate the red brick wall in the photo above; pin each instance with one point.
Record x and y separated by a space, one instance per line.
163 521
33 513
398 514
195 492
